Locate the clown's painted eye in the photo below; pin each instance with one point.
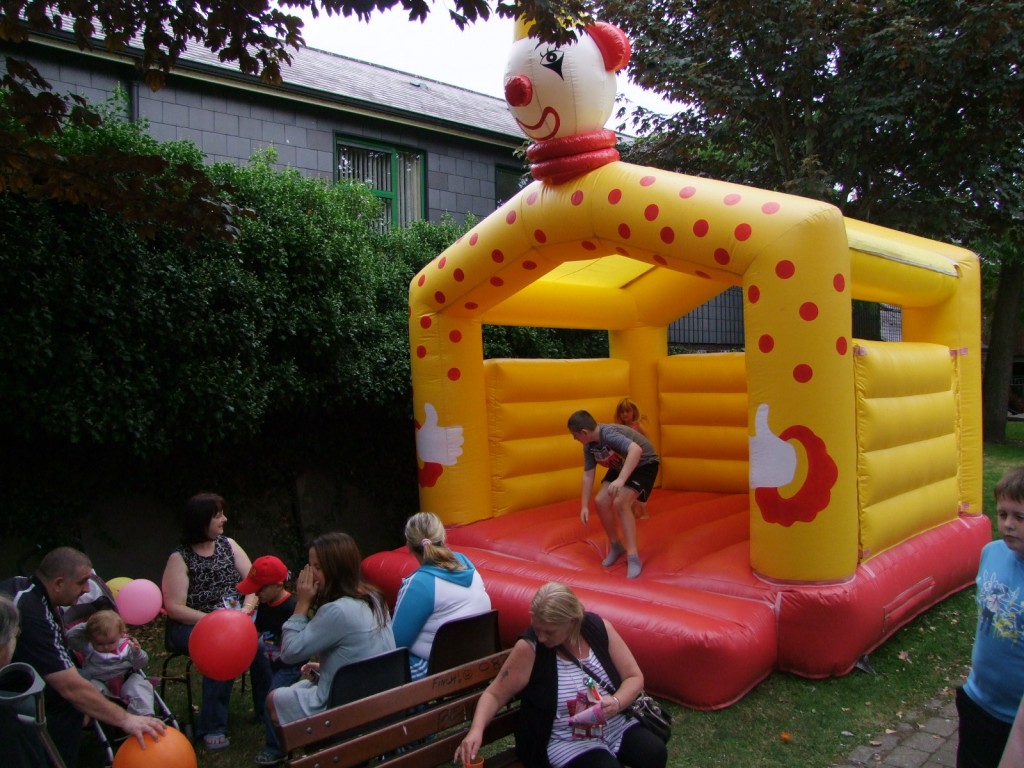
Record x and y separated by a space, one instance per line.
552 59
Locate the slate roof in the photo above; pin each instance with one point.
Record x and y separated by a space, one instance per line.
356 83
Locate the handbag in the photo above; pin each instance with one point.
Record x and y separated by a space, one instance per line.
652 716
647 711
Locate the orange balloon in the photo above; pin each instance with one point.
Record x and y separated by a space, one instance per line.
223 644
173 750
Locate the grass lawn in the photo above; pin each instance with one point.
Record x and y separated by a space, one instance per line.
787 721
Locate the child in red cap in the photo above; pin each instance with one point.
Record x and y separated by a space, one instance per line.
266 580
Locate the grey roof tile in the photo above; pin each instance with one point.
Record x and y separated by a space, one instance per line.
339 78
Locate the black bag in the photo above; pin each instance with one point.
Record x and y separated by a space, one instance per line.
650 714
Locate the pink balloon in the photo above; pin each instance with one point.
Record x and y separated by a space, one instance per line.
223 644
139 601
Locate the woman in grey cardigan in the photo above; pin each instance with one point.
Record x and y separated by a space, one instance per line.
351 623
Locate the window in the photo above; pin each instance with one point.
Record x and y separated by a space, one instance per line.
507 182
395 175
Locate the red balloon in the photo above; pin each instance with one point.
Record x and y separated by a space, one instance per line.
173 750
223 644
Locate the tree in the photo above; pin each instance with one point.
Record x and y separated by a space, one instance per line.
259 36
903 113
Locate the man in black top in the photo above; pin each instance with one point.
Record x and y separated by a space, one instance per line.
62 577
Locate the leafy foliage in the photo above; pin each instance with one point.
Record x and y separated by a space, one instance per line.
903 113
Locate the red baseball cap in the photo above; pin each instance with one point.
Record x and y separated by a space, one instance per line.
265 570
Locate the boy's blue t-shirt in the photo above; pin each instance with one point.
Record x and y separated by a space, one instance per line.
996 681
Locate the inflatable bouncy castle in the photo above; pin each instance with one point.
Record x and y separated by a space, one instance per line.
816 492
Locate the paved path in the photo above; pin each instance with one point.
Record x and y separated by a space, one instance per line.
926 738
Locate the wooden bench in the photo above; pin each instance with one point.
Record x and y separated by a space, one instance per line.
417 725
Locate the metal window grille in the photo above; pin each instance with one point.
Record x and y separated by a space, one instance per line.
718 322
395 176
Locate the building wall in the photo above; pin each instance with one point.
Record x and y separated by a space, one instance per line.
230 124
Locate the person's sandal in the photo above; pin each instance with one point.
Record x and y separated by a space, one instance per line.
215 741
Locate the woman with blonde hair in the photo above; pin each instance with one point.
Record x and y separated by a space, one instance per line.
577 679
446 586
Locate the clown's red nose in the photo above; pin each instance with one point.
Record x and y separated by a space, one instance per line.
518 91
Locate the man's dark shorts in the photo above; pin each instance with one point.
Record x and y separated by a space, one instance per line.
641 480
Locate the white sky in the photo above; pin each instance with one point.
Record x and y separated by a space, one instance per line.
473 58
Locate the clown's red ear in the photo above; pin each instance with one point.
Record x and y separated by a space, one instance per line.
613 44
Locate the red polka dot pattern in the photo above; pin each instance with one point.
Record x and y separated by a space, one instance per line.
540 236
701 227
687 192
421 351
785 269
459 275
839 283
667 235
722 256
497 256
808 311
803 373
615 196
577 197
732 199
647 181
624 232
766 343
842 345
753 294
455 336
441 262
651 212
454 374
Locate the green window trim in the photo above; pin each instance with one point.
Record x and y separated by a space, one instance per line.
396 175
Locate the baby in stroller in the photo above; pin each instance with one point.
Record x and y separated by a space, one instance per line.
113 660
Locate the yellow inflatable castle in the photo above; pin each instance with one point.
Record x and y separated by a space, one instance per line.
816 492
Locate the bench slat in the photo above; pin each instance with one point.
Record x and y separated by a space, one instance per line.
371 709
386 741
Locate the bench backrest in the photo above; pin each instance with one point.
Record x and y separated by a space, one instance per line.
439 705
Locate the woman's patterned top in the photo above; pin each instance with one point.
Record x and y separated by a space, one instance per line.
211 579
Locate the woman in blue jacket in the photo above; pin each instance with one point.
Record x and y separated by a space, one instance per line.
446 586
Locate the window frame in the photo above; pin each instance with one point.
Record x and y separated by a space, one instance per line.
395 152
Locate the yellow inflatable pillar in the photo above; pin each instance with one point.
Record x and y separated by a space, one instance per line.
642 348
450 415
803 516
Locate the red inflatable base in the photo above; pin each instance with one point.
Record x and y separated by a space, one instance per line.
704 628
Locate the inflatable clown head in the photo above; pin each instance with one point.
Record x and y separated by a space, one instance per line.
558 91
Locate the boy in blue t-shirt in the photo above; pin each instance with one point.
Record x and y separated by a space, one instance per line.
266 580
988 701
